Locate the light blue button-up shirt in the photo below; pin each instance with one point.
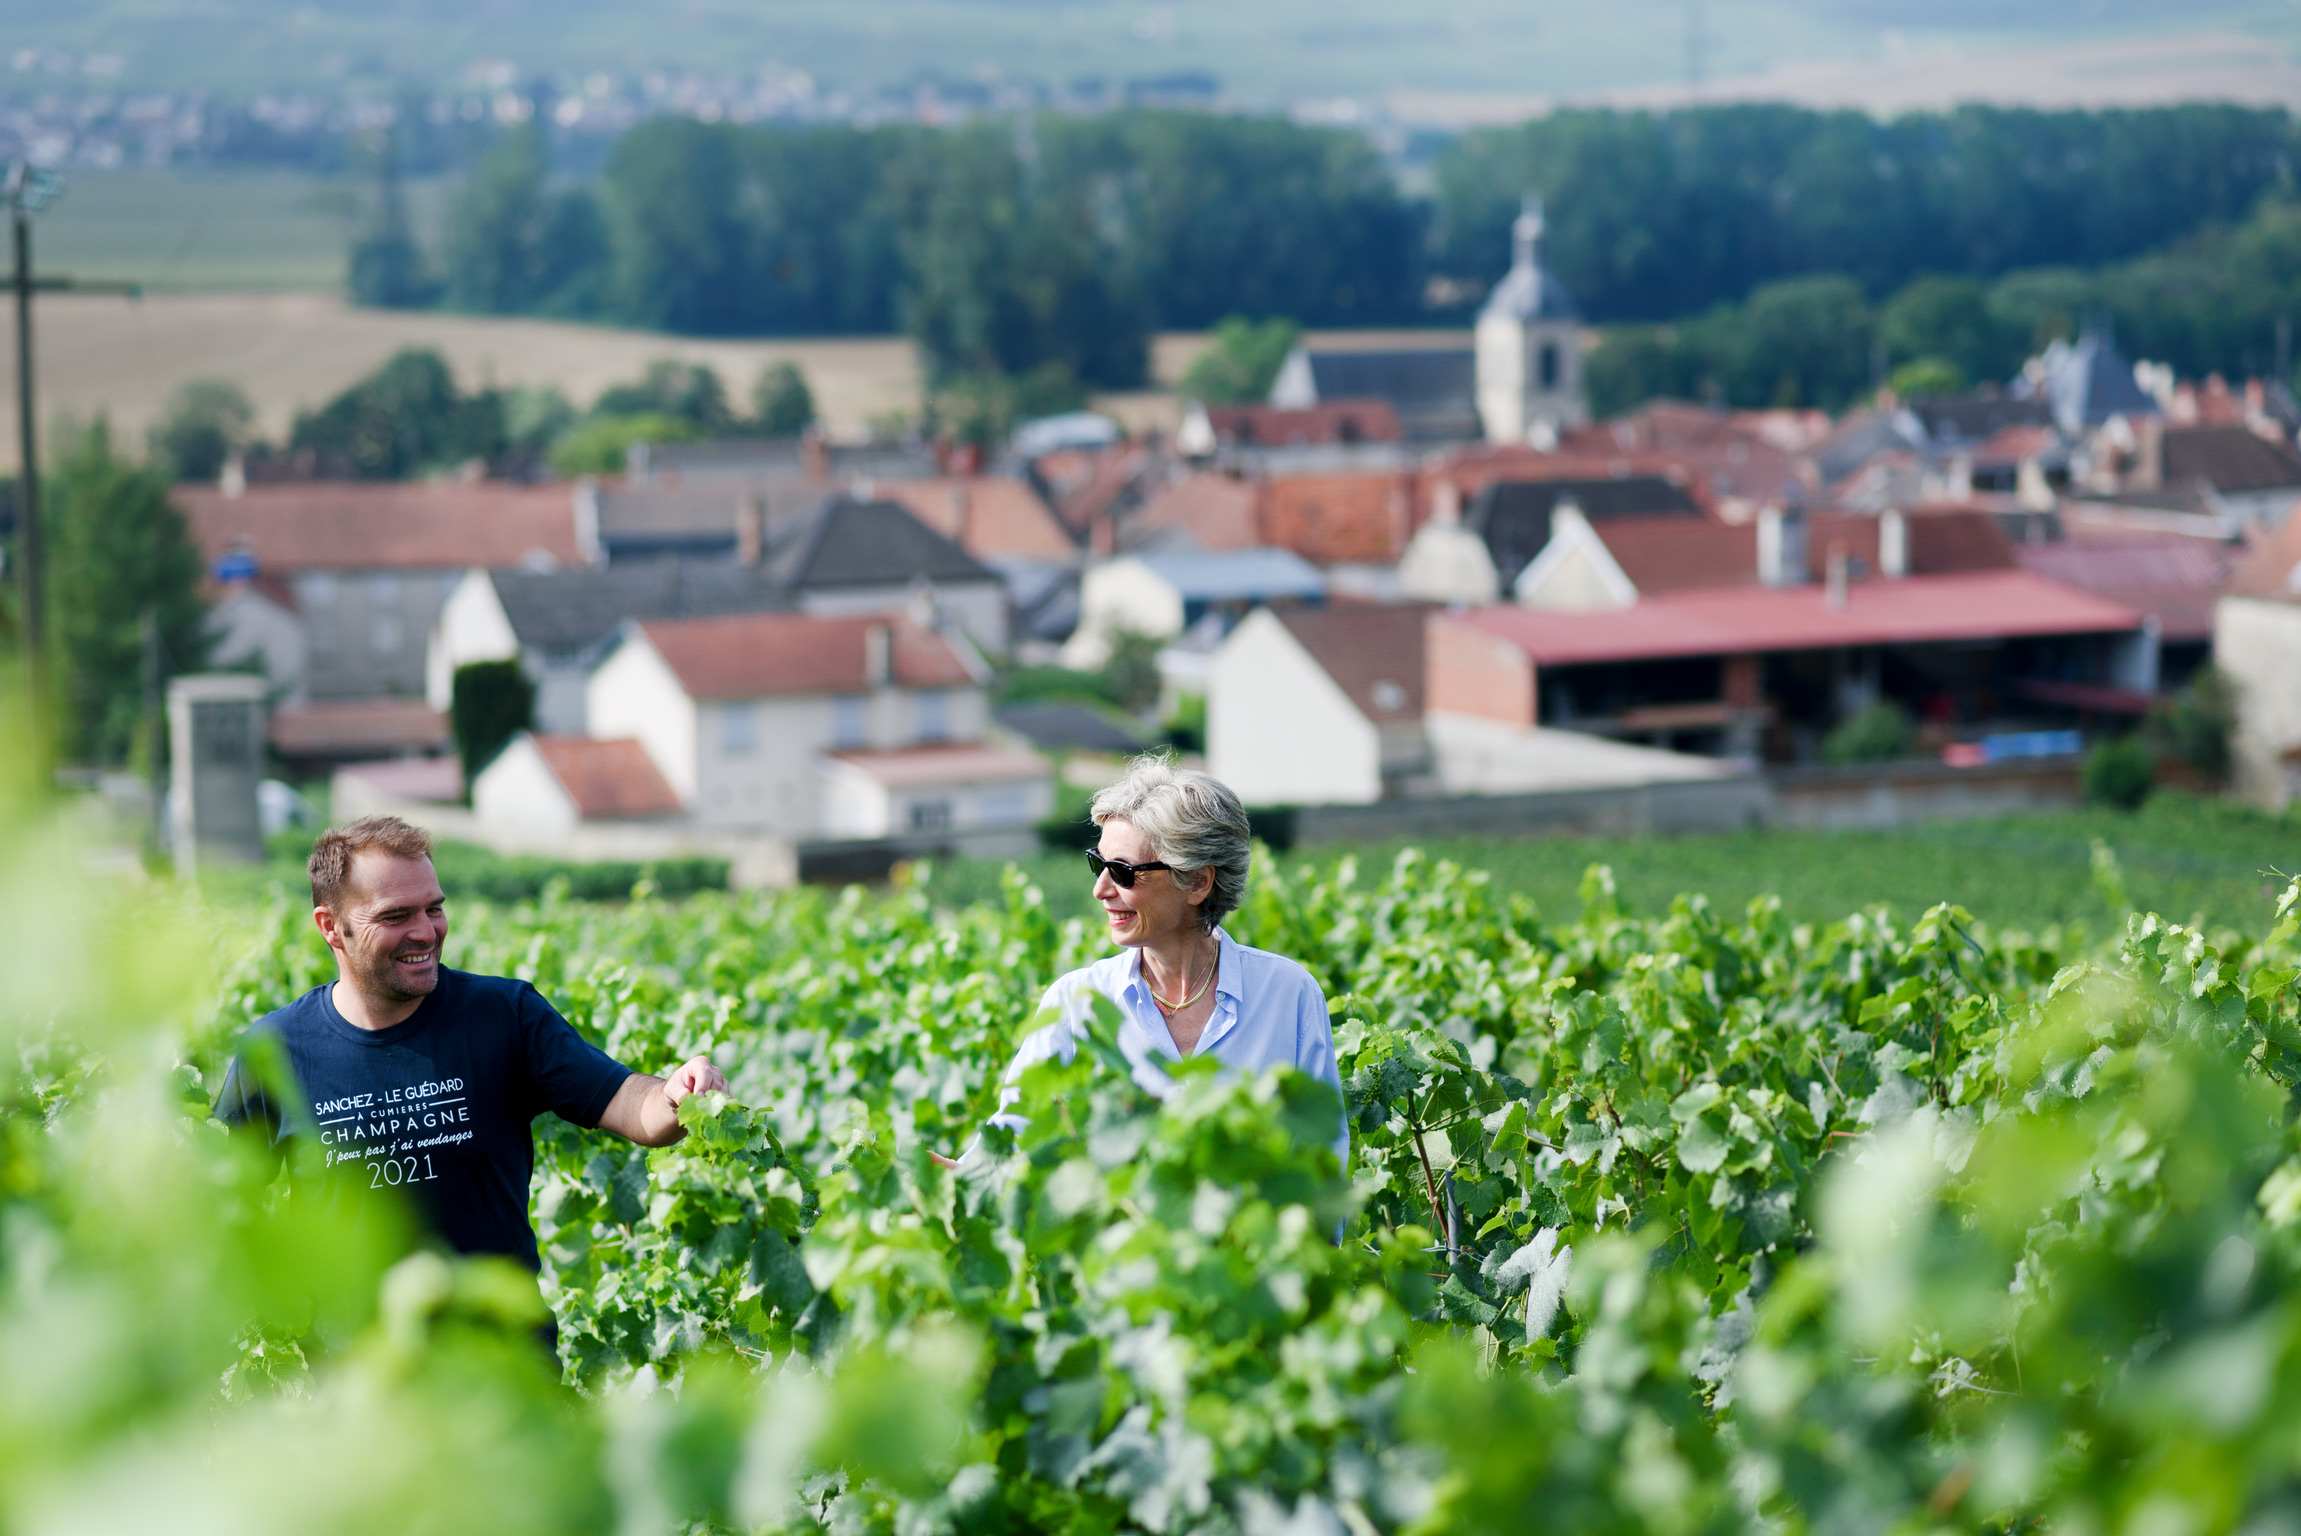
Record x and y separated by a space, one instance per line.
1268 1012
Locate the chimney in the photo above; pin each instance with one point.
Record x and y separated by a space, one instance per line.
750 528
587 522
1446 504
635 462
1893 544
2149 455
1836 592
1782 546
962 529
233 481
814 454
878 656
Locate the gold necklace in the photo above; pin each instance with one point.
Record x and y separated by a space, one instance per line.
1171 1009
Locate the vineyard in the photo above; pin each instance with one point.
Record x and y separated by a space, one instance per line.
1703 1221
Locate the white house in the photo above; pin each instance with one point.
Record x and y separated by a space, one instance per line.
1162 594
1529 347
927 790
558 782
1317 706
1575 572
744 714
560 623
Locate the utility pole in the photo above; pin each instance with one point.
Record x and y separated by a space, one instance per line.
27 190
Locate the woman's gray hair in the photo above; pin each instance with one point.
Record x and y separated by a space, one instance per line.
1193 821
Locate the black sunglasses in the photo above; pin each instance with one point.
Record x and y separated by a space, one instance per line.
1120 870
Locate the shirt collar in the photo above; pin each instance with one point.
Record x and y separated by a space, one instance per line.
1228 980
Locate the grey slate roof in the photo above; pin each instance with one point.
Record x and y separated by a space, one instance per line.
568 612
1513 516
1054 726
1529 290
870 544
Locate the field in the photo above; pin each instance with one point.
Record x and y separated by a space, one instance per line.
1683 1222
2196 861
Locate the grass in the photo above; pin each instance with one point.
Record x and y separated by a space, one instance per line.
209 231
2192 860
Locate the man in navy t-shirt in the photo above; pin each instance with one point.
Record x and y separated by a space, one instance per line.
418 1078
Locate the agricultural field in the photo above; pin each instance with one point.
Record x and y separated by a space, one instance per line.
1685 1219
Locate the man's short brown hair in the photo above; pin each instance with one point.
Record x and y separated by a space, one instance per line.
332 855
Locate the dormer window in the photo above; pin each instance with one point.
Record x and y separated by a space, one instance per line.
849 727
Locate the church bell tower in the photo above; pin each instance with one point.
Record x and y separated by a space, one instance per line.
1529 346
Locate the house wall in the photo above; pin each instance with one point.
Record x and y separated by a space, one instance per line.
857 805
1470 672
1574 574
1280 731
1511 398
518 789
471 626
775 783
562 687
976 609
366 632
2258 644
634 693
1121 595
248 626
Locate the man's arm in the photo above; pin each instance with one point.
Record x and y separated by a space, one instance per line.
646 1108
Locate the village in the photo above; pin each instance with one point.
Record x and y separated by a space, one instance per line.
1416 589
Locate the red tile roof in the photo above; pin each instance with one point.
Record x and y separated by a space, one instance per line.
2169 576
945 765
1670 554
351 526
360 728
1342 519
1218 511
771 655
1373 652
1730 621
989 515
607 780
1329 421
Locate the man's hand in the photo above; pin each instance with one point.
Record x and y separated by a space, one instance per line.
646 1109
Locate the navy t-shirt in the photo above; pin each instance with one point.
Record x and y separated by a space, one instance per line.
438 1104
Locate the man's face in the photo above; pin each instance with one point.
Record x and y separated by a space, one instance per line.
389 925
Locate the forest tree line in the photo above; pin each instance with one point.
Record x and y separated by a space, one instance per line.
1056 245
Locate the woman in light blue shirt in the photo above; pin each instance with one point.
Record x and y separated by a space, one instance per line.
1170 865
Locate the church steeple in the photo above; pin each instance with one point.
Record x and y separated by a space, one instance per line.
1529 344
1526 232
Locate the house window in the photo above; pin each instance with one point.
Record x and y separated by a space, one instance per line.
1003 807
847 722
930 815
738 731
1549 365
383 588
934 716
384 636
318 589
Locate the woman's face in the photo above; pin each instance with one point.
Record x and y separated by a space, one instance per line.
1155 910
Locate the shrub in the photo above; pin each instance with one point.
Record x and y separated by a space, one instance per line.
493 702
1875 733
2120 773
602 445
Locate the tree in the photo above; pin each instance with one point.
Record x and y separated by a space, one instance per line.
1804 342
117 552
387 267
1243 362
781 403
513 245
205 422
688 392
1878 732
490 702
405 417
1949 320
602 444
